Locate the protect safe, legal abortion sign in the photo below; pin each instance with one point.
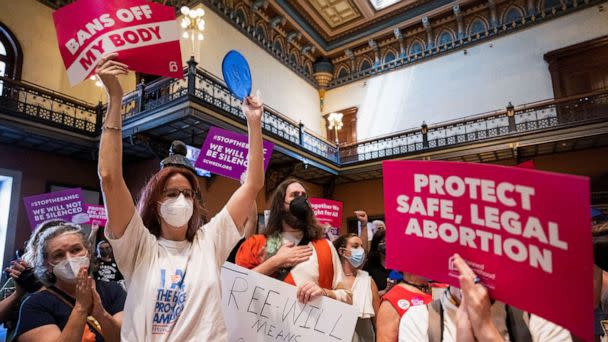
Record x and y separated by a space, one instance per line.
526 233
225 153
144 33
261 308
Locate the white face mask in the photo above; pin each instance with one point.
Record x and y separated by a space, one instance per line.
177 211
67 270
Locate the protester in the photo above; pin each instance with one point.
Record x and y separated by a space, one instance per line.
364 290
375 265
469 315
106 268
293 249
412 291
22 280
72 307
378 225
366 235
170 261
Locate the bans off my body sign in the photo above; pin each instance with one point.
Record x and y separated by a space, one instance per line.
525 233
137 29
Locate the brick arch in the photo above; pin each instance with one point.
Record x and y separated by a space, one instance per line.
241 12
260 27
508 15
362 61
342 70
444 33
279 43
476 24
410 48
386 54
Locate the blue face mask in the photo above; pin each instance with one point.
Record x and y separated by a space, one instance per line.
357 256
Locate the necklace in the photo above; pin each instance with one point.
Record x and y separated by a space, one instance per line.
423 288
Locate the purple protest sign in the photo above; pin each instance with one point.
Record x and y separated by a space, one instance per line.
225 153
66 205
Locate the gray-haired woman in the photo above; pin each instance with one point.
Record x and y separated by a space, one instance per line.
72 307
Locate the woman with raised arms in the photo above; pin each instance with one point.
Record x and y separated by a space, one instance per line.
170 258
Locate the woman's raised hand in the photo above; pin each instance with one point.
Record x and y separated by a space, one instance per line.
107 70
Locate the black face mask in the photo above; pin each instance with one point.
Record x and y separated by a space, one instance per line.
298 213
300 208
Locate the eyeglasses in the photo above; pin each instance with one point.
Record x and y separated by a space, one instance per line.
173 193
298 194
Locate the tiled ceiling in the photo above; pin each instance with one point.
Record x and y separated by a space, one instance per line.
336 12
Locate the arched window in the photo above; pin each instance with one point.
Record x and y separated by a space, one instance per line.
241 19
477 26
293 58
550 4
390 56
278 47
259 31
11 56
365 65
445 38
513 14
342 73
415 48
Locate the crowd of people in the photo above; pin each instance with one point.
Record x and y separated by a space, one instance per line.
156 274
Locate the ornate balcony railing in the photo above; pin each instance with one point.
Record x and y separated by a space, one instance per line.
526 119
212 92
35 103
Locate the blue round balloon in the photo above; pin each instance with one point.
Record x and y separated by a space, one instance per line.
237 74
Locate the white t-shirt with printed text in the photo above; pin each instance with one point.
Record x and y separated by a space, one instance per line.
161 304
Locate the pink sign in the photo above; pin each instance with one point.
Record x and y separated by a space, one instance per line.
145 34
329 215
97 214
525 233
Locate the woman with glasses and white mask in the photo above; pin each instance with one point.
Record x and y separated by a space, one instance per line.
170 258
72 307
364 289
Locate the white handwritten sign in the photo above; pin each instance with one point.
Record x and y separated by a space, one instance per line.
261 308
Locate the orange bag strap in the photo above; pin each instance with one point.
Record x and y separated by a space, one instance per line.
289 280
326 265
